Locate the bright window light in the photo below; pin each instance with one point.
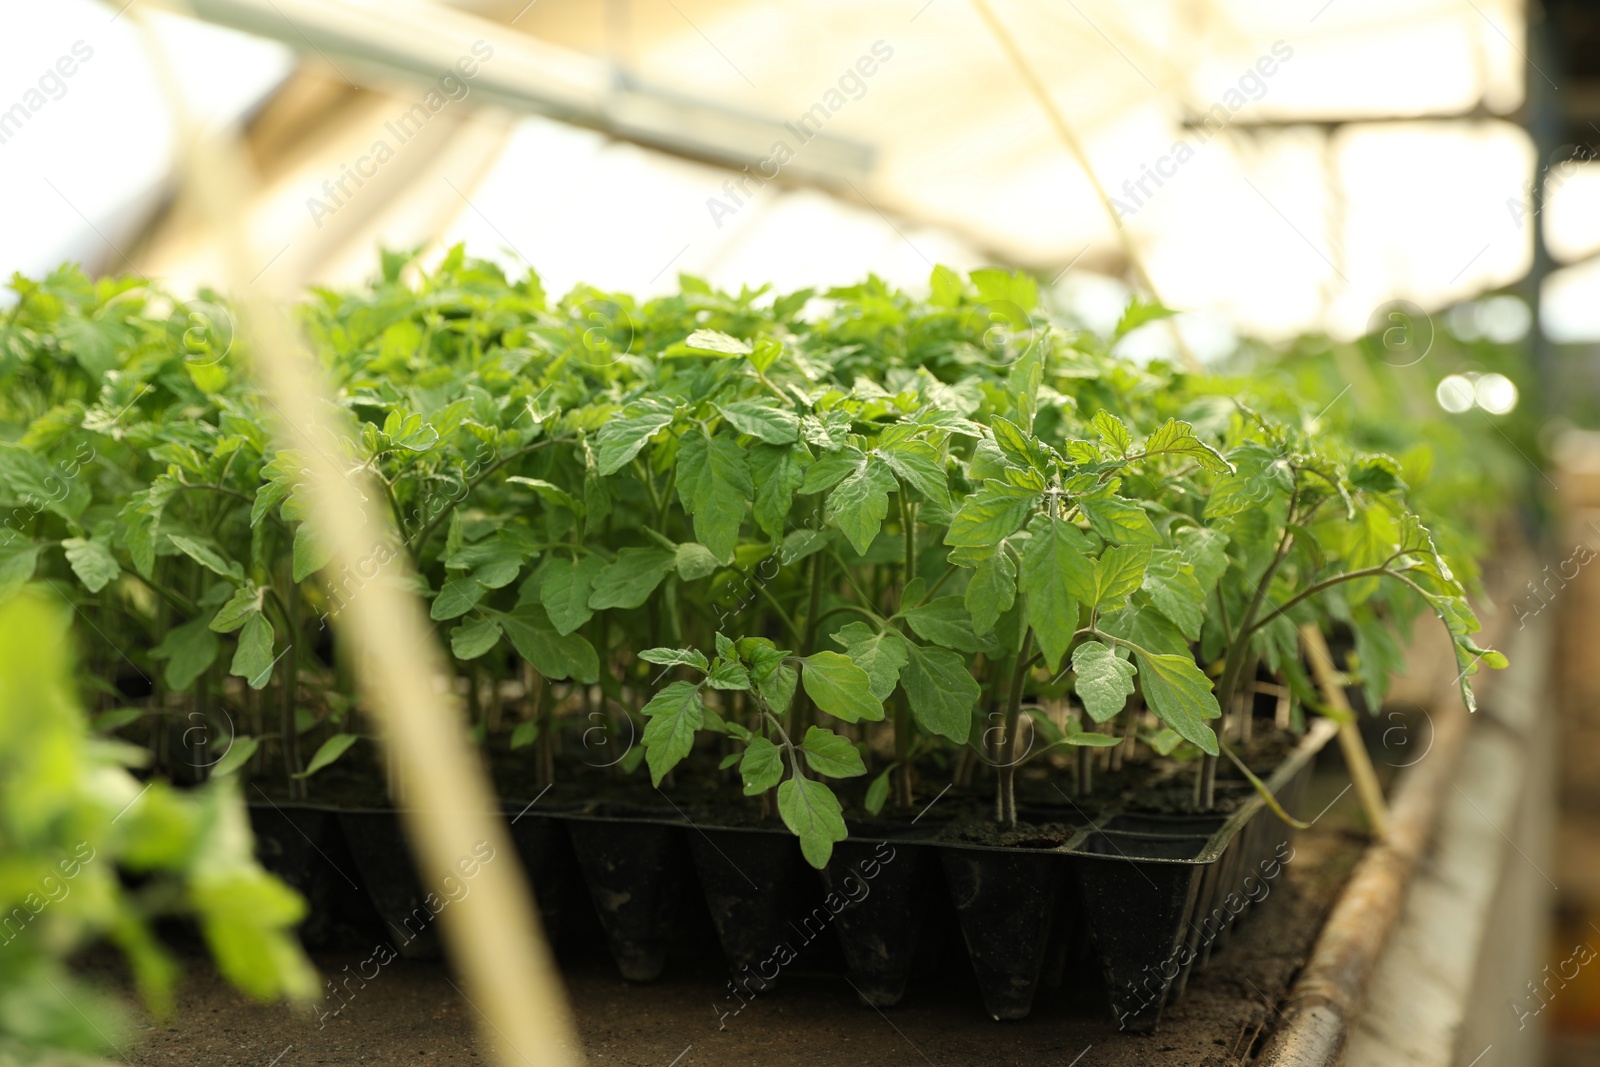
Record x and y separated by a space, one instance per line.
1455 394
1494 393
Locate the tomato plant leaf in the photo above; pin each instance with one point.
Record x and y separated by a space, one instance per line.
629 581
565 587
991 590
553 655
252 659
474 637
860 501
207 557
188 649
1175 438
778 472
622 438
764 419
92 562
1119 520
812 813
1112 431
675 715
839 687
330 750
1105 682
881 655
1056 570
713 484
990 515
761 766
831 755
1180 695
941 691
946 622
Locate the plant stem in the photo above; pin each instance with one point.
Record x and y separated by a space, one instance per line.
1208 783
1006 802
800 713
908 525
904 797
291 686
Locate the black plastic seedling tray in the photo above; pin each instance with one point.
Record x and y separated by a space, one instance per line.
1157 894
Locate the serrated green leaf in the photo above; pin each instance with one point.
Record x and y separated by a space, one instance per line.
1105 682
188 649
1180 695
778 473
311 552
1138 313
252 660
17 565
629 581
455 598
831 755
946 622
694 561
840 688
919 465
1112 431
1119 520
1147 629
552 654
676 657
991 590
1117 573
812 813
1206 552
549 492
245 601
674 716
565 586
990 515
1176 438
941 691
92 562
777 688
622 438
208 557
764 419
881 655
1056 570
713 484
717 343
860 501
728 674
761 767
1175 592
474 637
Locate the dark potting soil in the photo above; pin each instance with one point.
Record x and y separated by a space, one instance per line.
413 1012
